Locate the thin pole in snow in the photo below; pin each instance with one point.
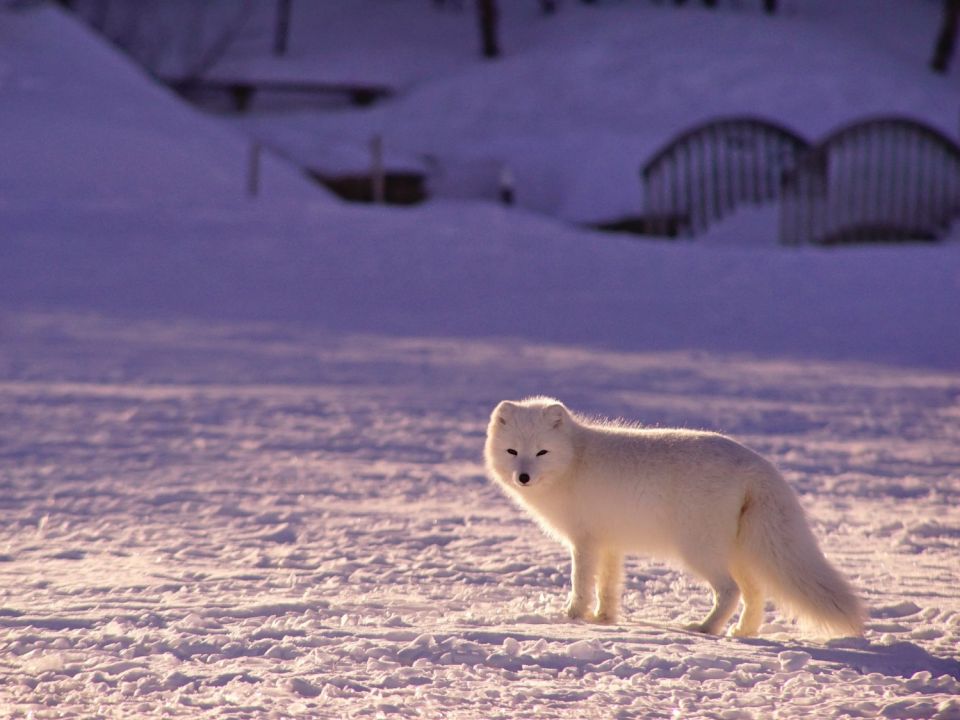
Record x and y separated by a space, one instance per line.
377 177
282 29
507 194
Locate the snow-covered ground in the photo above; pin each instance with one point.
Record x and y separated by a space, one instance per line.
234 521
240 446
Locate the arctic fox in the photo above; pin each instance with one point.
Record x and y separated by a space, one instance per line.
604 489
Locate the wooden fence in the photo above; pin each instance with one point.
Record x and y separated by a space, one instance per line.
701 175
881 179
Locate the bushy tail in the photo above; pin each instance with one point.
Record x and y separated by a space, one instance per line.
778 546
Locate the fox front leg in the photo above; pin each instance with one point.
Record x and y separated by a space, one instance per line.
583 576
609 587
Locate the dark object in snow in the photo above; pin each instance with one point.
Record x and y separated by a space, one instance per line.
282 29
874 180
378 176
506 191
770 6
242 92
399 187
489 17
878 233
947 37
664 226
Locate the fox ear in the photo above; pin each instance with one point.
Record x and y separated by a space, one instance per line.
504 412
556 415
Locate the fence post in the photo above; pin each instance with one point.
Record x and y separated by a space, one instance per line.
378 181
282 29
489 17
507 193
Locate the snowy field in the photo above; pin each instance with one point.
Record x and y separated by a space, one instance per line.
231 521
241 440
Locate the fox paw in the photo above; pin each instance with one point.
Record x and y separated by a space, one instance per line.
700 628
574 611
740 632
604 617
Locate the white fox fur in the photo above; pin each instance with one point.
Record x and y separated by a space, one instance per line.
605 489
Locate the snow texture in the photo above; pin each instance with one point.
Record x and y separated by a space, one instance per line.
240 439
232 521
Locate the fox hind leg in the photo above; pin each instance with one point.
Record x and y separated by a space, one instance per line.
712 562
753 603
726 594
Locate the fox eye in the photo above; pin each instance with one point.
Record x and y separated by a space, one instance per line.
542 452
512 451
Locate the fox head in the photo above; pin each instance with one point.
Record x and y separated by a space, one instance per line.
528 442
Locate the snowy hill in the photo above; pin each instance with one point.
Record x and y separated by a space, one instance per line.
80 124
141 203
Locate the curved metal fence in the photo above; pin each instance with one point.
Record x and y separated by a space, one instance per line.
701 175
880 179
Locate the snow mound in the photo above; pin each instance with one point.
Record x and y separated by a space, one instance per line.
84 125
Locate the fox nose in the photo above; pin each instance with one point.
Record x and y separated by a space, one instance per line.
523 478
